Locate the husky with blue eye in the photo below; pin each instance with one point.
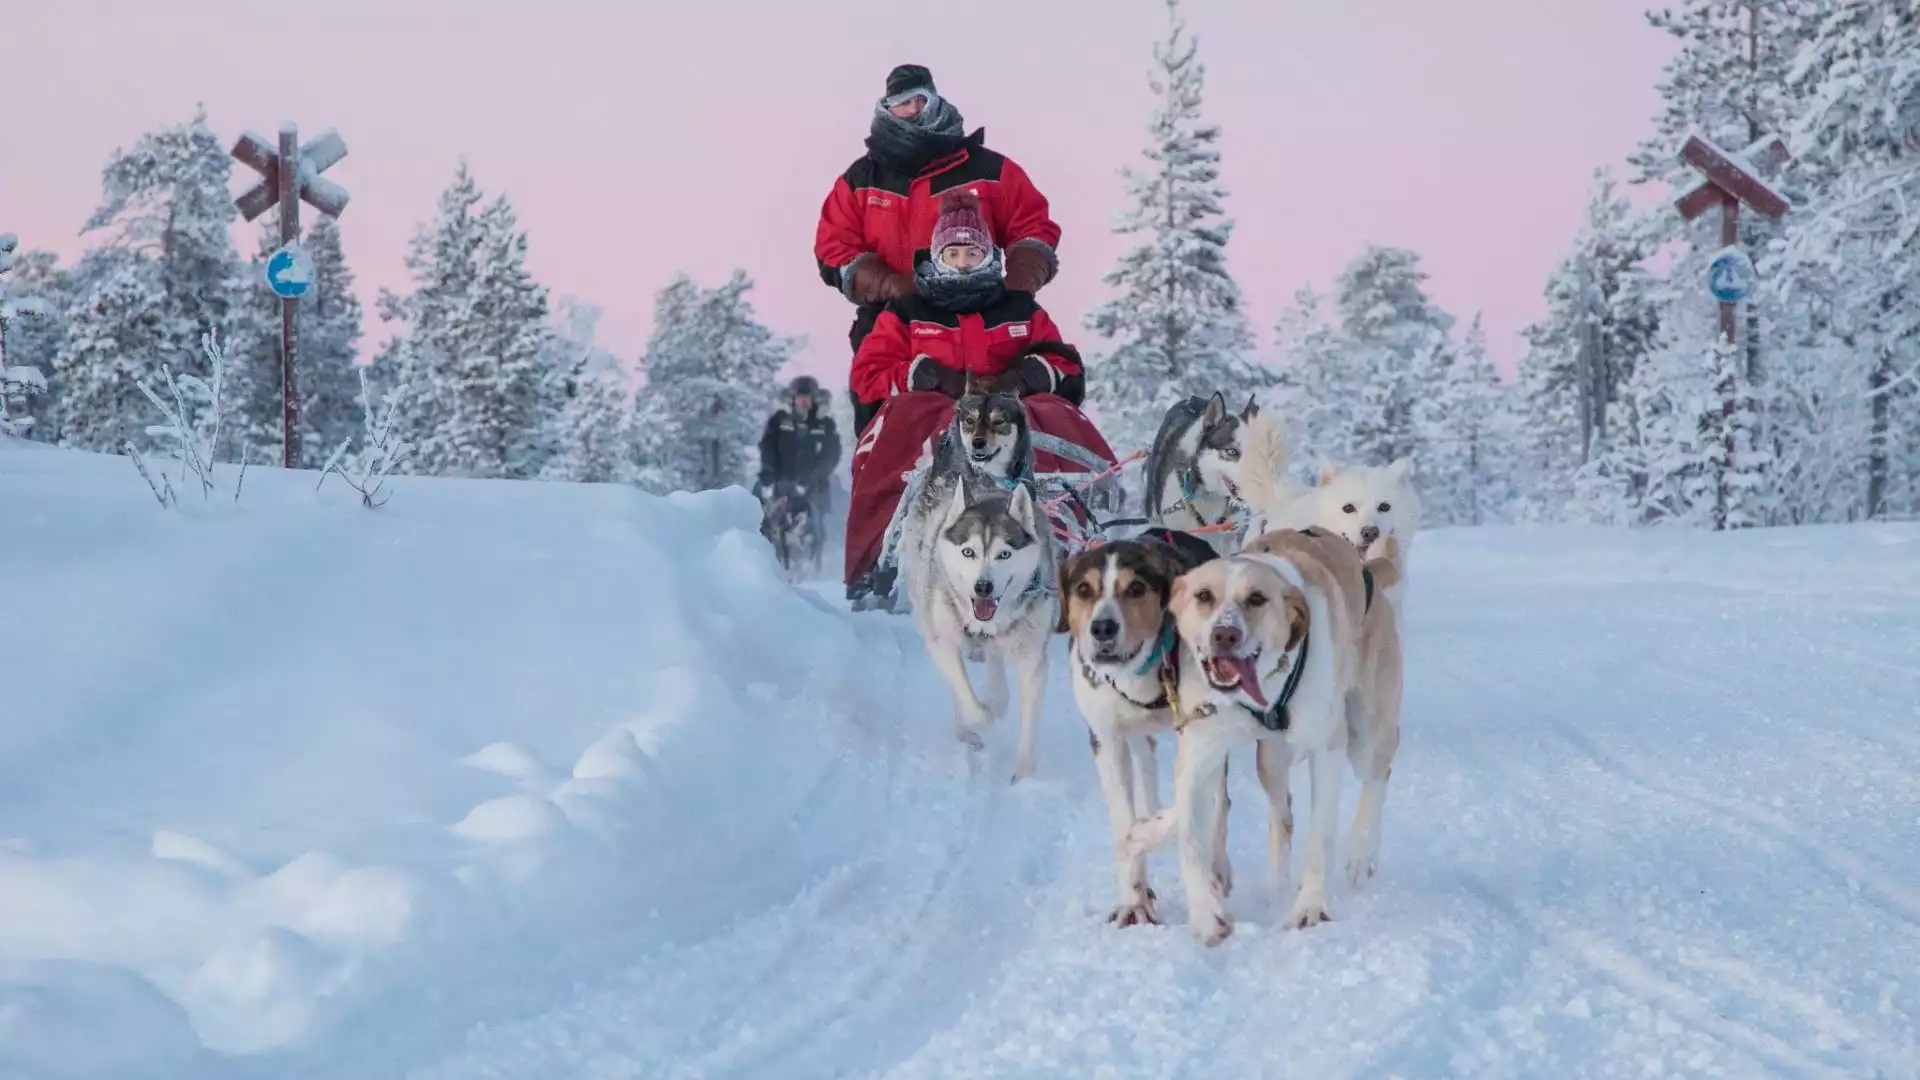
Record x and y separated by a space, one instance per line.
979 565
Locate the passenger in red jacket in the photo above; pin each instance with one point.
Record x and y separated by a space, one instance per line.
962 320
883 207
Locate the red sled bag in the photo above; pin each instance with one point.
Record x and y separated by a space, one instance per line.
906 424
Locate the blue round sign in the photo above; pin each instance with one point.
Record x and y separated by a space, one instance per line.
290 272
1731 276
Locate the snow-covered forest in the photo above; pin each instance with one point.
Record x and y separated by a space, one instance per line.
1618 412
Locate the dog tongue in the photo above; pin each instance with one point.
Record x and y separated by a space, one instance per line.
1249 678
983 609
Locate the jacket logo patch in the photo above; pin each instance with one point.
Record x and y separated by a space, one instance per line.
880 201
930 330
1018 329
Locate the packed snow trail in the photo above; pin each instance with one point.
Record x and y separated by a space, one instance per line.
530 781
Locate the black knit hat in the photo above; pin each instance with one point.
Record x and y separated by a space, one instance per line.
908 77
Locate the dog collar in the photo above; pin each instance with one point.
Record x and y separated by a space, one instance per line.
1094 678
1160 647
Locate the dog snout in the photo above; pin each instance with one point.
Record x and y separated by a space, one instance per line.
1226 639
1369 533
979 442
983 588
1104 630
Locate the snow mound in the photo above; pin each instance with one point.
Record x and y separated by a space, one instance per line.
267 764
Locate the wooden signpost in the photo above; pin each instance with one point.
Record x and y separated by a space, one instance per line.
290 173
1731 182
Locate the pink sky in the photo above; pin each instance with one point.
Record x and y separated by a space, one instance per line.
641 140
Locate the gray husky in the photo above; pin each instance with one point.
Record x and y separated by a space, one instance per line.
990 435
979 565
1193 468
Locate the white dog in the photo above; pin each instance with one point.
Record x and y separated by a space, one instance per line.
1363 503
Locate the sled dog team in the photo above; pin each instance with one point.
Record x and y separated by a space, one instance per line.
1287 643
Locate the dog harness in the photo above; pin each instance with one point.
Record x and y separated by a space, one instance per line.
1163 654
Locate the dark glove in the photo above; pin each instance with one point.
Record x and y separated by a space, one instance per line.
928 374
1030 265
1028 375
873 282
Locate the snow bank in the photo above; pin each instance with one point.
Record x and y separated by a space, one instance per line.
262 763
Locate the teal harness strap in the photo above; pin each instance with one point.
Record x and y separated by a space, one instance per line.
1366 575
1160 648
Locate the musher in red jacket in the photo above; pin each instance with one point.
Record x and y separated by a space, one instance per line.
883 207
962 319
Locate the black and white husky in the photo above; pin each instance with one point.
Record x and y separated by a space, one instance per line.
1193 468
979 565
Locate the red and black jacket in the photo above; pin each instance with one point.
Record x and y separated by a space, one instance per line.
879 210
984 343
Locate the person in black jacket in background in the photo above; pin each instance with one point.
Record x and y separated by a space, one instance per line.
799 450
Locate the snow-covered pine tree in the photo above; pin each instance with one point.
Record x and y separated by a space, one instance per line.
515 392
1858 248
1464 466
594 426
165 274
1394 344
1175 323
422 360
1600 322
21 383
1308 382
329 331
475 359
37 281
711 373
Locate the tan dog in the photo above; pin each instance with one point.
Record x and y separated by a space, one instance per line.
1280 646
1122 652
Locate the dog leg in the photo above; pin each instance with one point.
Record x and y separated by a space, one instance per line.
970 717
1222 868
1310 907
1032 651
1146 778
1113 759
1372 760
1196 804
1275 761
997 698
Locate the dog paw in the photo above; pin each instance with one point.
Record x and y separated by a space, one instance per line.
1213 928
1149 833
1022 770
970 739
1140 914
1223 879
1361 866
1308 912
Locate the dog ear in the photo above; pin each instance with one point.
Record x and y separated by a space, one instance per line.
1216 411
977 386
1021 506
959 504
1400 468
1252 410
1297 618
1327 474
1061 627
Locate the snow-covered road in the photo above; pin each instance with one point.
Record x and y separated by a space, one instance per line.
560 782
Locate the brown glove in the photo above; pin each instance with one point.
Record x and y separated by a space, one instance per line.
1030 265
873 282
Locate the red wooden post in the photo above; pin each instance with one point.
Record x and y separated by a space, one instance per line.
289 234
1730 182
290 174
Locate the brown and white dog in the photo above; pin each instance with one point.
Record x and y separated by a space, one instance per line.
1287 644
1122 651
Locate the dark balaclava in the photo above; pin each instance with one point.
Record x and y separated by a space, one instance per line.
912 145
